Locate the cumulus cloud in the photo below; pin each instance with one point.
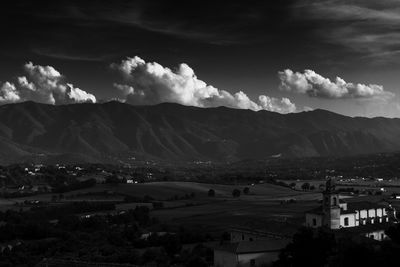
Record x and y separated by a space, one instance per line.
43 84
148 83
8 93
315 85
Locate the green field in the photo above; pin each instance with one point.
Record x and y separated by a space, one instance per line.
262 207
166 190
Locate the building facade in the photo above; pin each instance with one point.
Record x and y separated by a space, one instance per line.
249 253
336 214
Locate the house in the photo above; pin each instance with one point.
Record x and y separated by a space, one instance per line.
9 245
365 218
248 253
147 235
246 234
249 247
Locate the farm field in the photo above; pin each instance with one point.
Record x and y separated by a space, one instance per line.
271 215
267 206
165 190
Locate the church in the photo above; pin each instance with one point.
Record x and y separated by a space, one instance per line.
365 218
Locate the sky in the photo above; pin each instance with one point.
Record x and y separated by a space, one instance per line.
282 56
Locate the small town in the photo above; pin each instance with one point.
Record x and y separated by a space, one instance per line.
150 133
157 218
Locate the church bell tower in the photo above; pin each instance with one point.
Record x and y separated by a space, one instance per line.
330 206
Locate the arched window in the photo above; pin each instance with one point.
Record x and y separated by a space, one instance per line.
334 201
346 221
314 222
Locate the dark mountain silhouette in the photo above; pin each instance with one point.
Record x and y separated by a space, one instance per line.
115 131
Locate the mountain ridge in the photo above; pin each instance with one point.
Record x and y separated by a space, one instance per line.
120 132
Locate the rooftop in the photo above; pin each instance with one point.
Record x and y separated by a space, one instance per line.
362 205
244 247
259 232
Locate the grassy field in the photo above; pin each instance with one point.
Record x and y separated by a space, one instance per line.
220 215
264 207
165 190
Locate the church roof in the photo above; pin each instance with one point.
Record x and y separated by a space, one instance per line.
352 207
362 205
347 212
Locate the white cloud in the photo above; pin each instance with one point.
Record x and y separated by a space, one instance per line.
151 83
124 89
76 95
283 105
44 84
315 85
8 93
23 82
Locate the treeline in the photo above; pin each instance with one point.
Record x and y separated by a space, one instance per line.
76 185
131 236
323 247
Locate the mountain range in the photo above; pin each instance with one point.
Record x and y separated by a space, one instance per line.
118 132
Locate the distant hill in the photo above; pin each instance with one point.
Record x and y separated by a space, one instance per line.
117 132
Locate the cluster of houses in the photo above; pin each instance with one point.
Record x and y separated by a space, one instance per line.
252 247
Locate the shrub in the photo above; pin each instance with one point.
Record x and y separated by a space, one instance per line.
236 192
211 193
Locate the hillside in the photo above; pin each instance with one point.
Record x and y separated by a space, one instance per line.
115 131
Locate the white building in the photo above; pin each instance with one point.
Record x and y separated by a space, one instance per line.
248 253
370 219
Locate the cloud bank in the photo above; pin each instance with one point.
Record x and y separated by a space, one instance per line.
315 85
148 83
43 84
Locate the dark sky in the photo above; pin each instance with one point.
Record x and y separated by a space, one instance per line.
231 45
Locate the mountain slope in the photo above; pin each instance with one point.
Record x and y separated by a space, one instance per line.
114 130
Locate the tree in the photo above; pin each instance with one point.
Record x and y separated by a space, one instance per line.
246 190
305 186
312 187
172 244
211 193
196 261
292 185
225 236
236 192
394 233
308 248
